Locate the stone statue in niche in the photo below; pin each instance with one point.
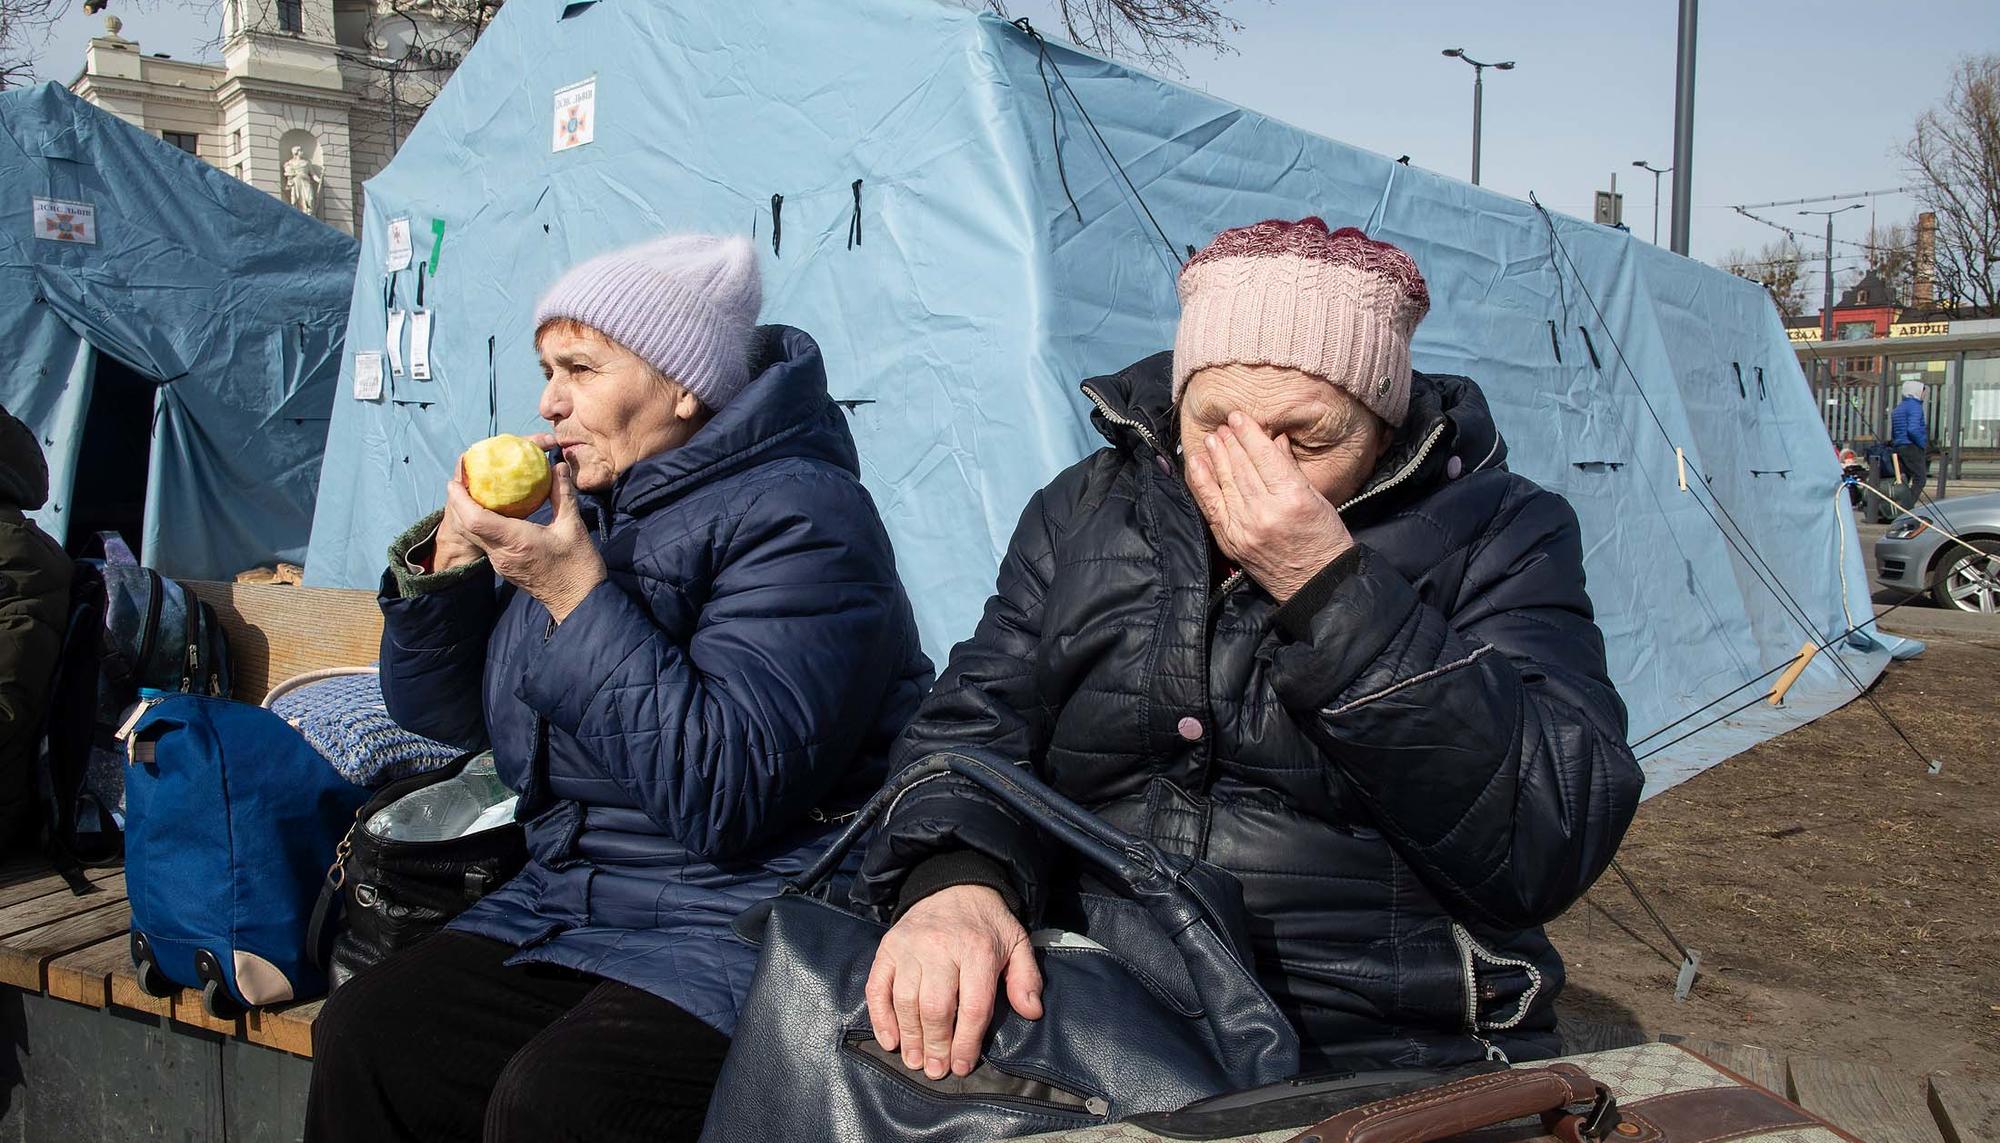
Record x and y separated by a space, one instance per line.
302 182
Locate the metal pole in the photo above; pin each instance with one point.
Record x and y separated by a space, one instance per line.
1826 305
1656 208
1478 98
1683 128
1955 464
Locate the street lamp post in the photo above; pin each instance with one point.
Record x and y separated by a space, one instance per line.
1478 97
1657 172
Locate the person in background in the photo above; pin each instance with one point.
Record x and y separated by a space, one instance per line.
1298 620
34 609
1910 439
689 666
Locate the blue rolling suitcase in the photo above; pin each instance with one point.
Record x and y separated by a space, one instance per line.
232 820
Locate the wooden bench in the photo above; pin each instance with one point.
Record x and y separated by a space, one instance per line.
1871 1103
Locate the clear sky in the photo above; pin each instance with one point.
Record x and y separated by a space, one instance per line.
1794 99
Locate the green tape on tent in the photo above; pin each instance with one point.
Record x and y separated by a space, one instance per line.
437 242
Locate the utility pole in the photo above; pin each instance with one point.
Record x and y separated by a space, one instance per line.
1683 167
1826 300
1478 98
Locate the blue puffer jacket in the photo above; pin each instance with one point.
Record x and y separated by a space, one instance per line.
680 740
1906 424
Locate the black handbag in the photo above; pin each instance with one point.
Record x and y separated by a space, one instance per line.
384 895
1148 1000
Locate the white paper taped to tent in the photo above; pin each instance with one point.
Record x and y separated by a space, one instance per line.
181 347
960 241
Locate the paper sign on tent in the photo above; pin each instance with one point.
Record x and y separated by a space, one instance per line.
420 345
60 221
396 341
367 376
576 115
399 245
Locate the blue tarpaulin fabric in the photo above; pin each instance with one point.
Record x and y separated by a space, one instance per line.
230 302
1020 218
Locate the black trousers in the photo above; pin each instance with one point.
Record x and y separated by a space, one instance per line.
1915 464
444 1042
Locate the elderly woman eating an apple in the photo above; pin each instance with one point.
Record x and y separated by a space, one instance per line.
1298 620
687 662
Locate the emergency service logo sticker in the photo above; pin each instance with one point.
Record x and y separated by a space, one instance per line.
59 221
576 115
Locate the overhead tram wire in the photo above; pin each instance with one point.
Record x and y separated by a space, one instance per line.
1746 549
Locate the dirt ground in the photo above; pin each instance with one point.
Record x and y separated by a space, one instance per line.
1845 903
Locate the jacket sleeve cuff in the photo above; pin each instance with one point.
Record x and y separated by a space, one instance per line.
949 870
1295 617
1361 610
410 556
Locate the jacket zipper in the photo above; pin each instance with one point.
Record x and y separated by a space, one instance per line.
1118 418
1408 470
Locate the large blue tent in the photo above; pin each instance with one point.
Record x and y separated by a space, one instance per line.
172 335
971 221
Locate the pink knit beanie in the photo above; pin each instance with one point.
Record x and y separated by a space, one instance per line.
1340 306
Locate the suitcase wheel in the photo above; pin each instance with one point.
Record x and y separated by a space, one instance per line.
216 1001
152 981
215 997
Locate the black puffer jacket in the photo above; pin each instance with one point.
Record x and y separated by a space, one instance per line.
1411 766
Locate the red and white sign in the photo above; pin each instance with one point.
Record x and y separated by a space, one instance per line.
59 221
576 115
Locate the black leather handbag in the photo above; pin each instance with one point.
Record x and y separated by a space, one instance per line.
1148 1001
384 895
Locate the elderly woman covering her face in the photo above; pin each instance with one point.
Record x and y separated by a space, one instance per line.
1300 621
687 664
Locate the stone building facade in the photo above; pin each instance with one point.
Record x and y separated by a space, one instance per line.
342 81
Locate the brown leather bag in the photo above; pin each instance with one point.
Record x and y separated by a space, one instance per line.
1659 1093
1653 1093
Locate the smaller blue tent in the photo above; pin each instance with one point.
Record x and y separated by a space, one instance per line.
171 334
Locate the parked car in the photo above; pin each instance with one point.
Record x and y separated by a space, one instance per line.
1918 555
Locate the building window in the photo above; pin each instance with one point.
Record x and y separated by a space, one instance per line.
1861 297
290 17
186 141
236 142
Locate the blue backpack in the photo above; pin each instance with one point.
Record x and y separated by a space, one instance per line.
231 822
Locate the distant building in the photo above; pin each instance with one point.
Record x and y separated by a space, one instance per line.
340 81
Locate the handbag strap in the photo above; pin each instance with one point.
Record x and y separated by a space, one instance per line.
326 910
1555 1093
1132 862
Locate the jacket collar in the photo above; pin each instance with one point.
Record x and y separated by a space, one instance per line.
1448 419
783 412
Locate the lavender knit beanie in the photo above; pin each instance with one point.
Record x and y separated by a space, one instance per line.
686 303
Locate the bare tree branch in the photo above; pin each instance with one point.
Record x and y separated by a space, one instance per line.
24 28
1779 268
1152 32
1954 154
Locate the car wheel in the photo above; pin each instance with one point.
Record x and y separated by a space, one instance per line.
1968 582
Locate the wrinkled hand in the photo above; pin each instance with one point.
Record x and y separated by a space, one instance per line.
937 971
556 563
1265 514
